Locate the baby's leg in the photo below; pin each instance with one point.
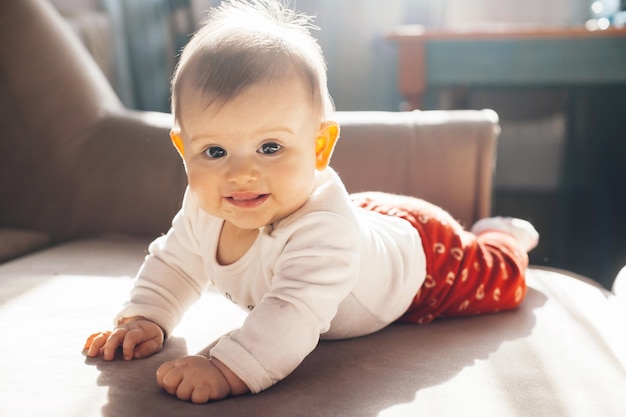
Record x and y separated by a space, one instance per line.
467 273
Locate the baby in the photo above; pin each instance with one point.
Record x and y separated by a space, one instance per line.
268 223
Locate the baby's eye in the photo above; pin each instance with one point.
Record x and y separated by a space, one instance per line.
269 148
215 152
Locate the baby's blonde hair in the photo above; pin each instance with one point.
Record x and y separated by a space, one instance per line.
242 43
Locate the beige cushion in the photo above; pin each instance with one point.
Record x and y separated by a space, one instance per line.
560 354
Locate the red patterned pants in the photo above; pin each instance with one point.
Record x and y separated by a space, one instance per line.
466 274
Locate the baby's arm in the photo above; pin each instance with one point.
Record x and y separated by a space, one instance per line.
137 336
199 379
170 279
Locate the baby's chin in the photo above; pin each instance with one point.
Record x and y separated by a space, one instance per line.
247 223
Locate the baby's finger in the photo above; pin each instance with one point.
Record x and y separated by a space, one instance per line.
170 379
201 395
184 390
163 370
147 348
112 343
90 340
95 342
131 340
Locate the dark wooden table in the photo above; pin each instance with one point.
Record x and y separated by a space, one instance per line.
518 56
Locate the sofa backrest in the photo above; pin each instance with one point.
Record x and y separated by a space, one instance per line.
73 160
445 157
51 92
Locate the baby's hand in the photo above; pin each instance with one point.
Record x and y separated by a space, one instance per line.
138 338
198 379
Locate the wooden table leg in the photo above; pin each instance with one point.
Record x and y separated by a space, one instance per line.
412 73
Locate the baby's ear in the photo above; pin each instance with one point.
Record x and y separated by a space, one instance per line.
325 143
177 140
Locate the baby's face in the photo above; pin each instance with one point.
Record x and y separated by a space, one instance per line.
251 161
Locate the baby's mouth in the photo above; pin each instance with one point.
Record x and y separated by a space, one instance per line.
247 199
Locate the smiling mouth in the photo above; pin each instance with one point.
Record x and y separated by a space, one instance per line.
247 200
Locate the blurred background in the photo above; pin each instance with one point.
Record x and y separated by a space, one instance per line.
562 148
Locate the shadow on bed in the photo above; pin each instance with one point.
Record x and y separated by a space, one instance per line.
360 377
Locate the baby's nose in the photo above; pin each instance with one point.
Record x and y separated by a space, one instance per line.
242 170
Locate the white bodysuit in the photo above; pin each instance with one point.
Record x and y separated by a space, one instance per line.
329 270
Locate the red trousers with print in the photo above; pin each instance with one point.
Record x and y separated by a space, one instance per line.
466 274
